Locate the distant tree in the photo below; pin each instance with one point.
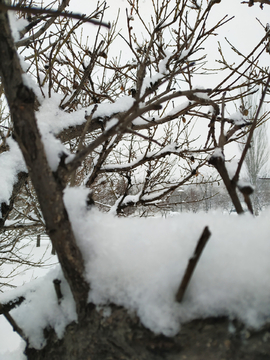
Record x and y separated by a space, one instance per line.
258 155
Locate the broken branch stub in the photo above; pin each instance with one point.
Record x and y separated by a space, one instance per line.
192 264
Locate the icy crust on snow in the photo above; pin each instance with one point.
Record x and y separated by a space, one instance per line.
139 263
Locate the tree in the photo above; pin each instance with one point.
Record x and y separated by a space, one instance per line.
135 140
258 153
257 156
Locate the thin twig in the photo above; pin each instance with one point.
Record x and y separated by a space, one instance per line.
80 146
192 264
42 30
249 56
30 10
13 323
222 137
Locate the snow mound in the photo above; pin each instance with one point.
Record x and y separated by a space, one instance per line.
139 263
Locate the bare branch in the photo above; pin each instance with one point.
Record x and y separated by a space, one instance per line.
12 322
251 2
53 14
192 264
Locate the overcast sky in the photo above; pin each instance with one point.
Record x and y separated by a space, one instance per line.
244 30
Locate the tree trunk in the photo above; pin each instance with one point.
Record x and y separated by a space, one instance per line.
121 336
48 185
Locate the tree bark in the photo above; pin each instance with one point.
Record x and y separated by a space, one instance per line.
47 186
122 336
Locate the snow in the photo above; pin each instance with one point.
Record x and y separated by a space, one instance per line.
14 355
29 81
151 80
179 108
231 167
243 183
140 121
238 118
202 95
184 54
153 195
218 153
53 147
9 339
162 66
132 198
139 263
111 123
11 163
40 307
52 120
16 25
